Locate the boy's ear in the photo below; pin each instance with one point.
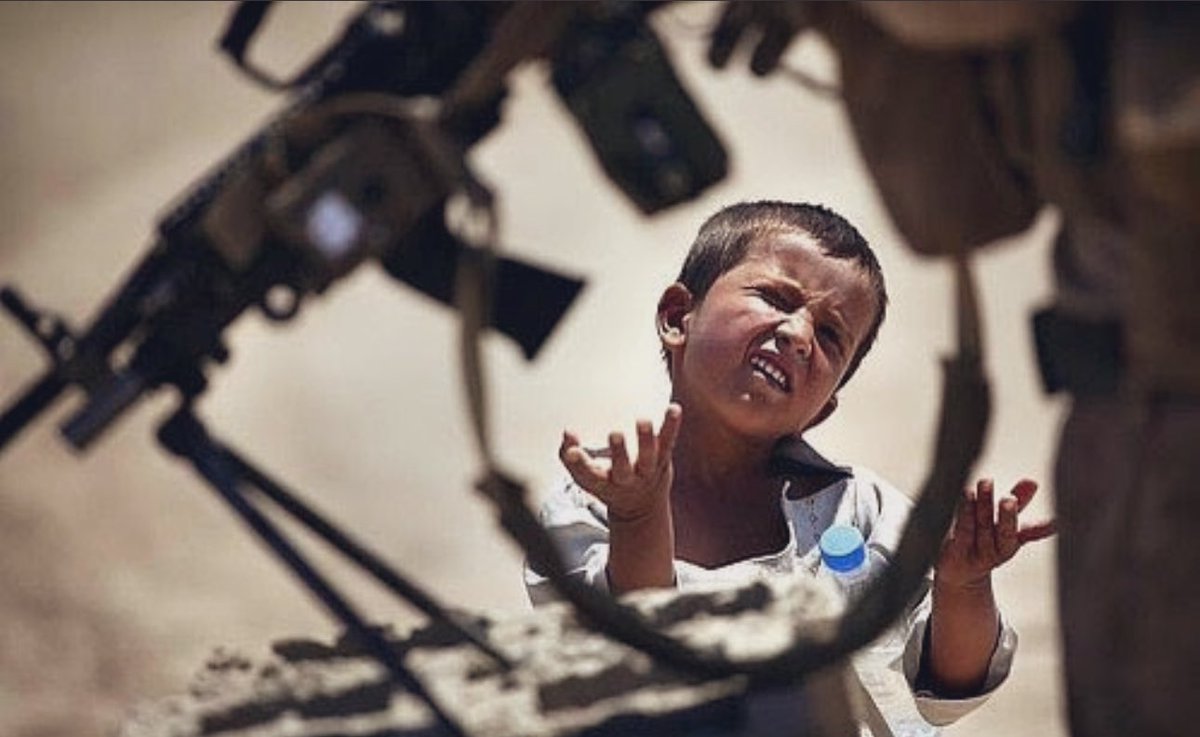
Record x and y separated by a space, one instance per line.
824 414
673 307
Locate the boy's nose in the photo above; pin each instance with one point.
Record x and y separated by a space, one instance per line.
796 334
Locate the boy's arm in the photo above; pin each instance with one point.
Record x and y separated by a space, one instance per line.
963 629
965 621
641 551
638 497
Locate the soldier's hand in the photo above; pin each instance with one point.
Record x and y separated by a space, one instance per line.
768 27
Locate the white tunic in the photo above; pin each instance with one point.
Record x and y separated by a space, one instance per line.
846 495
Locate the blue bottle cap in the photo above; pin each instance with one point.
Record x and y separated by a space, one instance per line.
843 548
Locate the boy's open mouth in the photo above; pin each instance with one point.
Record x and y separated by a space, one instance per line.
771 372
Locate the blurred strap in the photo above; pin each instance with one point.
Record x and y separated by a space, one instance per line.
473 288
969 323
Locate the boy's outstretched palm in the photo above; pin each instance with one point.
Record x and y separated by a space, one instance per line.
629 488
983 538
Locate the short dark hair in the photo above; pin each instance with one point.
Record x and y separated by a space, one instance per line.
725 238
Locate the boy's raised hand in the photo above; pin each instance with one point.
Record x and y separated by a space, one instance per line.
984 537
630 488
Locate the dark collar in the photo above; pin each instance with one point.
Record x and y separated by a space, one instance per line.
794 459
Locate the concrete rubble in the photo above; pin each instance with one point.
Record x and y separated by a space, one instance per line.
567 681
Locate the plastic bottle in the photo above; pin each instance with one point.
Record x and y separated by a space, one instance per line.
845 559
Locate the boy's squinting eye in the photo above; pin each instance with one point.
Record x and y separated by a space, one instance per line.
775 298
831 336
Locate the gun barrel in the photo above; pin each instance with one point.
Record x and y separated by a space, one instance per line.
33 401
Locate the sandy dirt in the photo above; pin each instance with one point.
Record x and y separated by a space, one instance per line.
120 571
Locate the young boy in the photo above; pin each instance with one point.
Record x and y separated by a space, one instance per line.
774 309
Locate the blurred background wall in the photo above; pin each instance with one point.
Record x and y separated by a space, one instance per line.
120 572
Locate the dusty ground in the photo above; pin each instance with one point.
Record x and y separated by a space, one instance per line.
120 571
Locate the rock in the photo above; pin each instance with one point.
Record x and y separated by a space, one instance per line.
567 681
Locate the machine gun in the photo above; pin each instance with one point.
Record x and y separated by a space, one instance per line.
361 166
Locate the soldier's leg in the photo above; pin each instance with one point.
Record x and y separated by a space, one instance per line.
1161 670
1094 478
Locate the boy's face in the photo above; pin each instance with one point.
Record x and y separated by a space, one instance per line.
765 349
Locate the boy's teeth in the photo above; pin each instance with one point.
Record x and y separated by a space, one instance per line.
774 373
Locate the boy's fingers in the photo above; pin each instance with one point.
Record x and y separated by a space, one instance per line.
622 472
985 525
672 418
576 460
1024 490
1037 531
1006 530
646 453
569 440
586 472
964 524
